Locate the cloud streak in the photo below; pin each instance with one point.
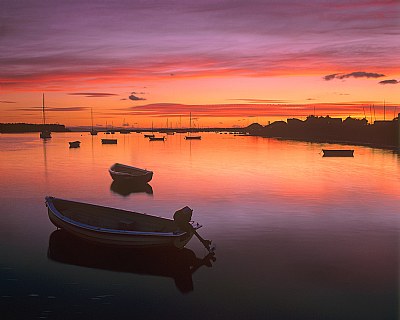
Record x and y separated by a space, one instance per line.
93 94
392 81
55 109
357 74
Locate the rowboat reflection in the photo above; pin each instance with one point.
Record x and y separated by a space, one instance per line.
164 262
125 189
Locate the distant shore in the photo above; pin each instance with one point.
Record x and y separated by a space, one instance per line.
380 134
30 127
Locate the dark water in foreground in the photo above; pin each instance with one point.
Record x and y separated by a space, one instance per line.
298 236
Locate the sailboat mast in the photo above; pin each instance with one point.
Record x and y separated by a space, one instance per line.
91 112
190 121
44 116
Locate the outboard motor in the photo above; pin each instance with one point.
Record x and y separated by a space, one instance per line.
182 217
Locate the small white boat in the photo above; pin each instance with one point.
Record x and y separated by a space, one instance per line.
110 226
127 174
74 144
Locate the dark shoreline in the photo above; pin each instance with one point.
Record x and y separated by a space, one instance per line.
30 127
381 134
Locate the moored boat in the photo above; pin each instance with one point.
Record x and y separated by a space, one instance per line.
74 144
92 131
193 137
116 227
44 134
127 174
109 141
156 138
190 137
338 152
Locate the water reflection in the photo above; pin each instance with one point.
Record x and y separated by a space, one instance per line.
171 263
125 189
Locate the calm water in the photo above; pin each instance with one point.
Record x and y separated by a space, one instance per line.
298 236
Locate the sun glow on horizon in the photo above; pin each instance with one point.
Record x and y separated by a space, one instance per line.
228 65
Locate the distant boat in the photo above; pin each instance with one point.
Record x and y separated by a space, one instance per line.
190 137
127 174
338 152
109 141
150 135
156 138
74 144
193 137
92 131
110 226
44 134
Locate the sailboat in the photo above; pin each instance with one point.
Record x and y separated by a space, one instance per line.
190 137
150 135
92 132
44 134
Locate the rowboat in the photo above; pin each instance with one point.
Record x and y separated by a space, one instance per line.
338 152
109 141
193 137
116 227
74 144
127 174
149 135
156 138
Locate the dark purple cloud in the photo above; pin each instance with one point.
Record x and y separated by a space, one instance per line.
392 81
357 74
135 98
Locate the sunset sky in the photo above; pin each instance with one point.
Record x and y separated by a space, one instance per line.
230 63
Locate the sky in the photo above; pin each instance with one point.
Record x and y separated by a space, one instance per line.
228 62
